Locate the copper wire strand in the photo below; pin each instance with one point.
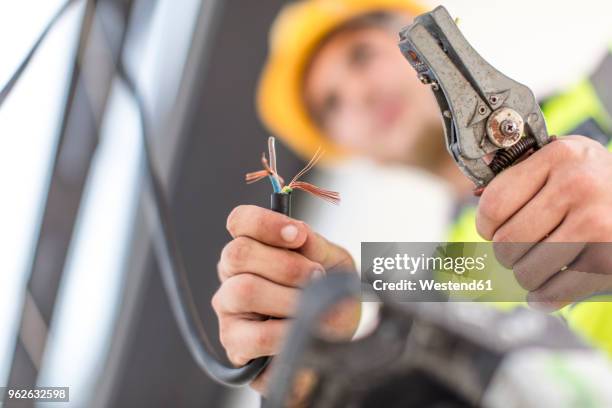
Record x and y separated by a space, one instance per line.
269 170
272 171
255 176
317 156
327 195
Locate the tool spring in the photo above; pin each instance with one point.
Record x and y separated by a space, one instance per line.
505 158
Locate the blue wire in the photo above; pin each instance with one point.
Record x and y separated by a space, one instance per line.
275 184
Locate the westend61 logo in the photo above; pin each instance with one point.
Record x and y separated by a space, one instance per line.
411 264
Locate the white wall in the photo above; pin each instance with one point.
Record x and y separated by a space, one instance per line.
545 44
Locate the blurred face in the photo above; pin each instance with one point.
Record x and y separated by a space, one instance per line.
367 98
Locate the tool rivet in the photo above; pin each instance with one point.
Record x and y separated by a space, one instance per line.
505 127
509 128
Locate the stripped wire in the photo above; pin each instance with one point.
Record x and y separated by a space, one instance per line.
278 184
260 174
274 178
317 156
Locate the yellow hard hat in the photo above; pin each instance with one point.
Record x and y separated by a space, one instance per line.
294 36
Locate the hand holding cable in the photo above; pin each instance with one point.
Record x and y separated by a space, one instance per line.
262 271
172 268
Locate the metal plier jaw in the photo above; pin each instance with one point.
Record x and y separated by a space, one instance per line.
485 113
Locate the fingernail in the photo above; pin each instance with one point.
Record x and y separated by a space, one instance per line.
317 273
289 233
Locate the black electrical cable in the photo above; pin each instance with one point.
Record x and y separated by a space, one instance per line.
281 203
172 267
317 298
174 274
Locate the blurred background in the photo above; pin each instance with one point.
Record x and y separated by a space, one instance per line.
81 300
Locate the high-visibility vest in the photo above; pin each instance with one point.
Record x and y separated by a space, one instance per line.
584 109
